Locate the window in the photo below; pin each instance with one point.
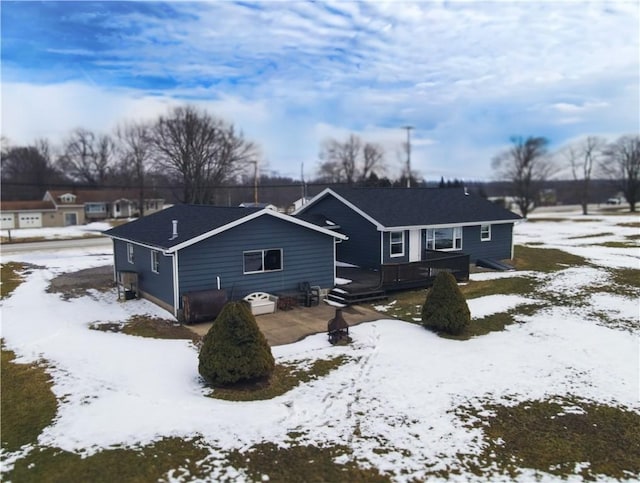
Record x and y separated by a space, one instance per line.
396 241
95 208
130 257
155 265
444 238
258 261
485 232
67 198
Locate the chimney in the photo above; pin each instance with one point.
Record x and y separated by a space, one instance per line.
174 235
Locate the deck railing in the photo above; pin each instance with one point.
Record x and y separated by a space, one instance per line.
421 274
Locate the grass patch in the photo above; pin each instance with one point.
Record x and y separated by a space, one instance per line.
149 463
544 259
302 463
631 224
11 275
407 306
618 244
633 237
284 378
28 405
563 437
595 235
508 285
146 326
493 323
546 219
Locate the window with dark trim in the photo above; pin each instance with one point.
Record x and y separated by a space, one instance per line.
130 255
155 265
259 261
485 232
396 243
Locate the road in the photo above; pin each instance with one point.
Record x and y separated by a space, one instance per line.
8 248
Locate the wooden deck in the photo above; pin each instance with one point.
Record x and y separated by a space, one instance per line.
369 285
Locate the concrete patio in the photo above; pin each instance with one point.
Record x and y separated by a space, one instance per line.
287 326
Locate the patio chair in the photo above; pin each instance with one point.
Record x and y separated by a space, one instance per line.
309 294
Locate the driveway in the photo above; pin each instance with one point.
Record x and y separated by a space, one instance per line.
285 327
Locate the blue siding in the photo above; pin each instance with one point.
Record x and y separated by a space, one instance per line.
499 247
307 256
159 284
363 246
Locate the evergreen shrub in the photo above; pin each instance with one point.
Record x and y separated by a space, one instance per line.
445 308
234 349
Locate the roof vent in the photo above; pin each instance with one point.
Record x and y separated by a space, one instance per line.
174 233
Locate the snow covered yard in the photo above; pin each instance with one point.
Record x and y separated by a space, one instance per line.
57 233
405 401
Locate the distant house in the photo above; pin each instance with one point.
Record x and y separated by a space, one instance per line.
190 248
103 204
404 225
38 214
258 205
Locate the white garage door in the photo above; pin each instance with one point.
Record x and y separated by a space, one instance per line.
8 221
30 220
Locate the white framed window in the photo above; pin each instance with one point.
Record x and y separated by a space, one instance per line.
130 255
444 238
155 265
260 261
485 232
396 243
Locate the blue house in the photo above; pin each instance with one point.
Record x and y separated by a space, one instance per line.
394 226
190 248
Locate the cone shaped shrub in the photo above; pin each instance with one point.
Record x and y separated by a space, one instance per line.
234 349
445 308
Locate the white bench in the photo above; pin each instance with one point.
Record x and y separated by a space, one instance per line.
262 303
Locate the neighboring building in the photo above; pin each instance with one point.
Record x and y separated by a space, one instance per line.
103 204
189 248
39 214
403 225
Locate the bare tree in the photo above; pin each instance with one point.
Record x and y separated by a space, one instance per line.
583 157
525 165
622 163
27 171
200 150
135 150
350 161
88 158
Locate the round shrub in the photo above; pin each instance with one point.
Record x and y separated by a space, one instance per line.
445 308
234 349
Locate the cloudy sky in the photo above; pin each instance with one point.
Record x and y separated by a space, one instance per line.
466 75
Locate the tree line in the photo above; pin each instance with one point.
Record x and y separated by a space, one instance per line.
527 165
193 153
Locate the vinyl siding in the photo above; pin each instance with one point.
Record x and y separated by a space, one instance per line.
306 256
159 284
363 246
498 248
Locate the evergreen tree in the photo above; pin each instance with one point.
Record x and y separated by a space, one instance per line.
445 308
234 349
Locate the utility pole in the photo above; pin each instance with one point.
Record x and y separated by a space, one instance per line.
408 128
255 182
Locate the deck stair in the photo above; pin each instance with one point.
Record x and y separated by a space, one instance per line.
345 298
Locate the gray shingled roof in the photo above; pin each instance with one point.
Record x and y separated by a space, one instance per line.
396 207
193 220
